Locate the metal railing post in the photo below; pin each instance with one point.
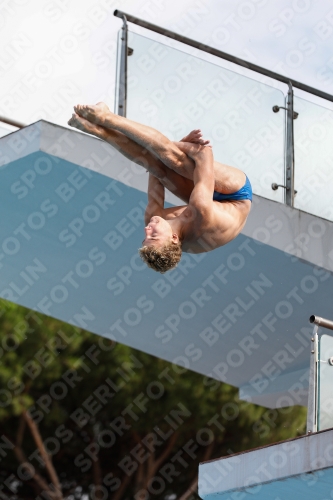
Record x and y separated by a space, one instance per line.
313 398
312 424
289 172
122 82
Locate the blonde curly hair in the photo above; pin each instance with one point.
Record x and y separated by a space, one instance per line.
161 259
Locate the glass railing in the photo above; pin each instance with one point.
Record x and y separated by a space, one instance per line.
325 383
313 131
176 88
176 92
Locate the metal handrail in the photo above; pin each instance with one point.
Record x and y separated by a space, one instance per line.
9 121
325 323
223 55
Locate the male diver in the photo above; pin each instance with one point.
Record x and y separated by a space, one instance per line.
217 197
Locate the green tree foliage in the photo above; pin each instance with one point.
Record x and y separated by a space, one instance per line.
82 415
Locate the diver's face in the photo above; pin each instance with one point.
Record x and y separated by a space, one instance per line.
158 232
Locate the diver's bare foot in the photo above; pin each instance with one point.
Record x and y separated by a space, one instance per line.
196 137
94 113
80 123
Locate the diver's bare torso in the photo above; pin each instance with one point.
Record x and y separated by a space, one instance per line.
224 222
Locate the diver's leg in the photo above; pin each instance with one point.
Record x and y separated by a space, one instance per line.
149 138
175 183
227 179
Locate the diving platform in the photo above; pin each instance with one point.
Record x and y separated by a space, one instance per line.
72 222
301 467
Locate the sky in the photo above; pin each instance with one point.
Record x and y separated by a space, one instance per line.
60 52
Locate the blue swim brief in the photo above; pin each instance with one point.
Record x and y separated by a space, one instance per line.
244 193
